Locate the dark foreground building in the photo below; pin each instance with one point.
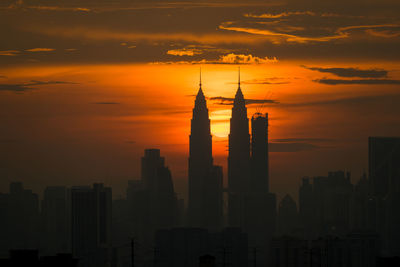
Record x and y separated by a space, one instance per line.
205 179
91 225
357 249
30 258
182 247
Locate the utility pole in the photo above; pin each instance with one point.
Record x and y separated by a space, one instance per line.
255 256
133 252
155 257
223 257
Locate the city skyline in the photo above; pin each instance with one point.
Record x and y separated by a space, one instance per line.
280 148
83 96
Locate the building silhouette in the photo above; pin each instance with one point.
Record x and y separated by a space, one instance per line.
151 201
205 179
19 258
287 216
384 167
180 247
20 219
356 249
238 160
384 187
91 224
259 154
325 204
250 204
56 221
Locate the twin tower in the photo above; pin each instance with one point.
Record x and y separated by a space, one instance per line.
249 200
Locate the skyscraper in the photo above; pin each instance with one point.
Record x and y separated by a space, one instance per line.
384 165
19 211
287 216
259 153
205 180
384 186
238 159
158 196
56 220
91 224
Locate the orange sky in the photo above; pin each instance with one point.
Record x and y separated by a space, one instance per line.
95 124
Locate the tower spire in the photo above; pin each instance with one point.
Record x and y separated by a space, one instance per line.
200 78
239 77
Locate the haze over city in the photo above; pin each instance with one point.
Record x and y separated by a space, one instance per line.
88 86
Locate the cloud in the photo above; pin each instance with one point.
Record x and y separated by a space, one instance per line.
383 33
225 59
192 50
245 59
229 101
135 5
15 87
291 147
21 87
364 82
276 81
9 53
277 37
279 15
34 82
39 49
346 101
97 34
106 103
352 72
8 141
185 52
290 140
279 32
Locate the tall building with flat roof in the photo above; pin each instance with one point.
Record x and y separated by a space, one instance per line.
384 165
259 153
56 220
91 224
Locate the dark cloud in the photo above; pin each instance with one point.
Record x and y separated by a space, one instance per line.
106 103
291 147
21 87
349 101
290 140
34 82
366 81
229 101
8 141
352 72
264 81
15 87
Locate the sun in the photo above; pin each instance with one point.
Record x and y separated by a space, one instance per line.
220 122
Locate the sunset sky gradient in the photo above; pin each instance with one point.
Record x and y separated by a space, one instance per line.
86 86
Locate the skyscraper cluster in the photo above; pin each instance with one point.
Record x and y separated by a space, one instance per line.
335 222
250 205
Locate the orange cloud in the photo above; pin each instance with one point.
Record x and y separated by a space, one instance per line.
103 34
280 15
245 59
277 37
39 49
226 59
184 52
9 53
